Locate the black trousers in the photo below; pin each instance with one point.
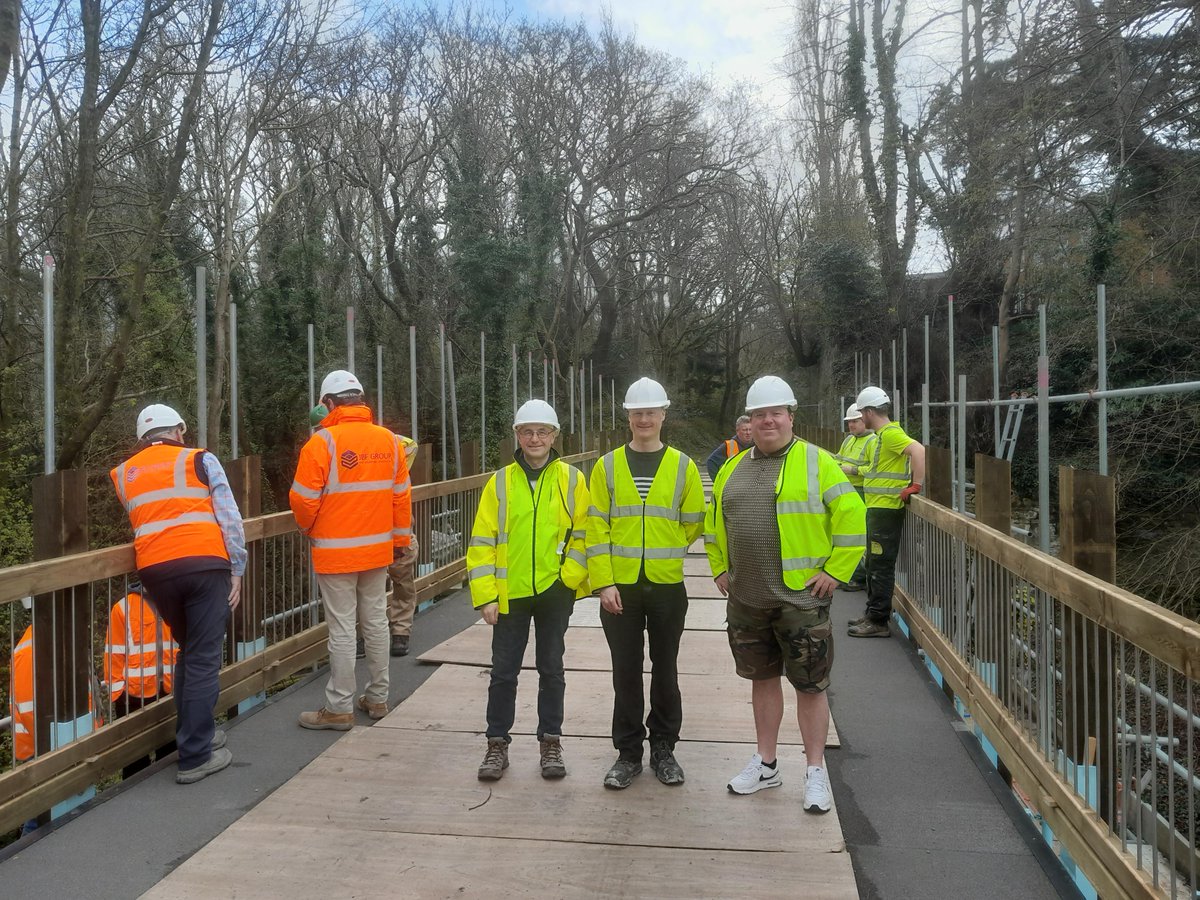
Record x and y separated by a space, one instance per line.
884 528
657 610
196 607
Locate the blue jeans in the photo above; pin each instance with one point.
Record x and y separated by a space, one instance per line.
550 611
196 607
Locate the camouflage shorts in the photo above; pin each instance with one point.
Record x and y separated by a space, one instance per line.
767 643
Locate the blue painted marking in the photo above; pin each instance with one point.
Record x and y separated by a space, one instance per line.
61 734
242 650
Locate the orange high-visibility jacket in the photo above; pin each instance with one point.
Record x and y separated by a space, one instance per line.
21 696
170 508
139 650
732 448
352 495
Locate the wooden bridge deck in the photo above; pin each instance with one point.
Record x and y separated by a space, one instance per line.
395 809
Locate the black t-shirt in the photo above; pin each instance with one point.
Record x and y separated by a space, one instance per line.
643 466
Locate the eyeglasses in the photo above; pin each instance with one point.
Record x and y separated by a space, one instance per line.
540 434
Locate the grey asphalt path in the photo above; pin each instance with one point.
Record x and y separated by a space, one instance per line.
127 839
923 812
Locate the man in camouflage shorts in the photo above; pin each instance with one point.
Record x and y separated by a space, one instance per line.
784 528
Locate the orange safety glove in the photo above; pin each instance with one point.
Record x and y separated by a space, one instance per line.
913 488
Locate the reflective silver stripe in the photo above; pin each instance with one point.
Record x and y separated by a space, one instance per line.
405 485
115 648
481 572
578 534
572 486
680 477
26 707
576 556
632 511
305 492
331 480
786 507
401 532
365 540
18 728
164 524
804 562
886 476
171 493
22 646
121 484
117 686
479 540
598 513
893 491
598 550
502 504
842 487
649 552
357 487
610 479
627 552
671 514
501 572
144 672
849 540
691 517
710 538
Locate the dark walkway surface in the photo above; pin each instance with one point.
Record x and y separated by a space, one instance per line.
923 813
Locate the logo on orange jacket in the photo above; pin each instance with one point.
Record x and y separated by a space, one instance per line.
349 459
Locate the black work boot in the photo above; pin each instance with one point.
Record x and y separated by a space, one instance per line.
664 764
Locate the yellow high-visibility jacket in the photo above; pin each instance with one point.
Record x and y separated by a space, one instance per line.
889 470
526 537
821 519
623 530
856 451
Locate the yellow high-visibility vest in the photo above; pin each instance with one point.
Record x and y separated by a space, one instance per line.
624 532
525 537
889 470
856 450
821 519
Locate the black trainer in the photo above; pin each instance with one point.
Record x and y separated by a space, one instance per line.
399 645
664 764
622 773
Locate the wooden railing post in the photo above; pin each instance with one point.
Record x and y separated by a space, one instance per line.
1088 531
422 468
938 485
62 626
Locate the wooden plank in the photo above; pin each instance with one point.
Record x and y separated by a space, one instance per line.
394 780
697 567
1167 635
399 864
700 652
715 708
938 477
993 492
1086 837
704 613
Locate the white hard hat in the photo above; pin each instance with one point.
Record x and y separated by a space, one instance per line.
156 416
339 381
872 396
536 412
770 390
852 413
646 393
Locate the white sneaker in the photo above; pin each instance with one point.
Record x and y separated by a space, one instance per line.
755 777
817 796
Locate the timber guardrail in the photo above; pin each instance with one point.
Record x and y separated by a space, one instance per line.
277 631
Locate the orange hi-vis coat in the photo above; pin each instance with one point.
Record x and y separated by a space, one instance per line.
170 508
139 650
21 696
732 448
352 495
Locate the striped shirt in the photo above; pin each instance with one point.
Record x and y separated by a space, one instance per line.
643 466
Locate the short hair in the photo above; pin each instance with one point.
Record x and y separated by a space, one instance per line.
884 410
156 434
348 398
742 420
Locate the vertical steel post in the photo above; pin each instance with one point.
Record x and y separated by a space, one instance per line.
600 405
412 381
613 404
954 437
554 383
1043 425
571 391
379 383
961 471
233 382
201 359
868 356
896 404
442 348
1102 375
591 389
996 386
312 368
454 410
350 338
545 379
583 408
857 379
483 403
960 628
514 371
529 371
49 437
925 391
904 379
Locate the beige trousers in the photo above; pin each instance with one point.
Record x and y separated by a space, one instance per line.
351 597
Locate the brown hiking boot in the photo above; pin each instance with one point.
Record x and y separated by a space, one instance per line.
324 719
374 710
552 760
870 629
495 761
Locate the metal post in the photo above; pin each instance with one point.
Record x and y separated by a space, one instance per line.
442 347
613 405
483 403
554 383
896 404
1043 424
996 385
571 391
583 411
961 625
961 471
233 382
379 383
857 379
600 405
201 360
868 355
950 383
842 407
591 389
50 439
350 338
545 379
529 372
925 391
881 367
312 371
514 371
454 410
904 380
412 380
1102 374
